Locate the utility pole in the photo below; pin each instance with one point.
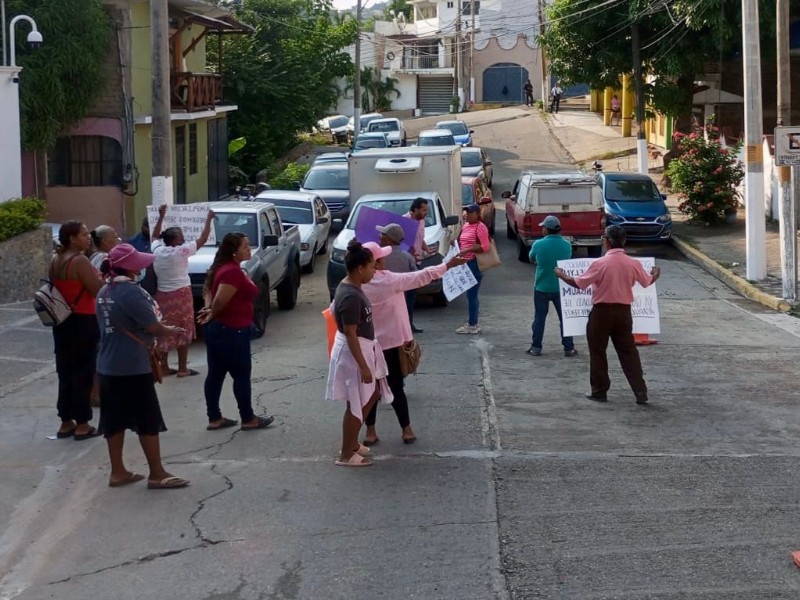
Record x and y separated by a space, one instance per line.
471 95
357 78
457 82
161 128
545 83
754 162
641 140
786 200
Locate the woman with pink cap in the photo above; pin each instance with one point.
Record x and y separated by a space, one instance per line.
129 322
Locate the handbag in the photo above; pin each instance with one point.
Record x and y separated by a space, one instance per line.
50 306
489 259
410 357
155 359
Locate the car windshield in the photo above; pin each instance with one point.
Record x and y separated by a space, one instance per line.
294 213
370 143
635 190
337 122
467 194
471 159
225 223
437 140
384 126
454 128
365 121
398 206
326 179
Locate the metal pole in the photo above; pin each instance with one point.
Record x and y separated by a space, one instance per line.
457 81
788 231
3 19
472 52
754 163
542 55
641 140
161 128
357 80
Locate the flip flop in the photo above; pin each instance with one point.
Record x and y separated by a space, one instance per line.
362 450
371 442
189 373
132 478
168 483
263 423
62 435
168 372
410 440
354 461
224 425
79 437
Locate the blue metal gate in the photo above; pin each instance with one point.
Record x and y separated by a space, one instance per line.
503 82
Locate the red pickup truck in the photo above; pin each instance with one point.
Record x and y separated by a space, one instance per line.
571 195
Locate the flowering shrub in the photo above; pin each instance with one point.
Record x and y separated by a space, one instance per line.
705 175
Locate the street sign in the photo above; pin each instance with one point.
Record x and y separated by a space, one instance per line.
787 146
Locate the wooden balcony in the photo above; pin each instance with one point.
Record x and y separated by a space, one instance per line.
193 92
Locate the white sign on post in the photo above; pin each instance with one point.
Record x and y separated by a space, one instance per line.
576 304
458 280
787 146
189 217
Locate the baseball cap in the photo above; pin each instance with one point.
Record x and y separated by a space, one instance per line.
378 252
393 231
551 222
472 208
125 256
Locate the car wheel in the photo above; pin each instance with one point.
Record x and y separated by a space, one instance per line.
594 251
287 290
510 231
261 310
309 268
440 300
522 251
324 248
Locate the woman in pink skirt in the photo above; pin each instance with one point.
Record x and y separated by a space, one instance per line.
358 369
174 291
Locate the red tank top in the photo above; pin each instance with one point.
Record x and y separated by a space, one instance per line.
73 290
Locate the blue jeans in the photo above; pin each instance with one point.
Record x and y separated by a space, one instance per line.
541 305
228 352
473 302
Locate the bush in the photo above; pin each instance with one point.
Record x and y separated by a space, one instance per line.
286 178
20 216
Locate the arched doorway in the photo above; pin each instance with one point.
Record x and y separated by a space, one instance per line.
502 82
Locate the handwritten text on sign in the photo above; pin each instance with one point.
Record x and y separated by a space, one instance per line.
189 217
457 280
576 304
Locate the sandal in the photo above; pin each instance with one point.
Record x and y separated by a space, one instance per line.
79 437
131 478
354 461
168 372
371 442
263 423
168 483
224 425
362 450
189 373
62 435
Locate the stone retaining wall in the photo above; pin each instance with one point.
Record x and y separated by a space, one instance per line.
24 261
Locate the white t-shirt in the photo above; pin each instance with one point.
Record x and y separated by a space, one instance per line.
172 265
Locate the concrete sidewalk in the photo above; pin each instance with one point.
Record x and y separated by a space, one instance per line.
719 249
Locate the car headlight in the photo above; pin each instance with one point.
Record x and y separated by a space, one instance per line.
667 218
305 246
337 255
612 218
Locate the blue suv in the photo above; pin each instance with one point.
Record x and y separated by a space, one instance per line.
633 201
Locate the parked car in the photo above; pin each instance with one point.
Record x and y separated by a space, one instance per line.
329 157
312 217
274 265
439 232
367 139
571 195
475 191
331 182
475 163
364 122
461 133
632 200
436 137
337 126
393 128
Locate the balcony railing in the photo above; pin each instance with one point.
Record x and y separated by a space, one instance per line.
196 91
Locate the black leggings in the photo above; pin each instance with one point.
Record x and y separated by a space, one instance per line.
75 342
395 380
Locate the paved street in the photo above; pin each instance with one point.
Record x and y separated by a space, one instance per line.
517 488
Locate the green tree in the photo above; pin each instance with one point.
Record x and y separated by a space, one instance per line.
398 6
62 79
376 93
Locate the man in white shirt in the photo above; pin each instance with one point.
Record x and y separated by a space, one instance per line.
556 93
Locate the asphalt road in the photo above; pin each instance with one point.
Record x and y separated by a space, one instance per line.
517 488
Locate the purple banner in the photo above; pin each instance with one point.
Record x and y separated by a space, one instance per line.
369 218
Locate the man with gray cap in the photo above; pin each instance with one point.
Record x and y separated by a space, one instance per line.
399 261
546 253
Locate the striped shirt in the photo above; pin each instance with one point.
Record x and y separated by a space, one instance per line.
471 234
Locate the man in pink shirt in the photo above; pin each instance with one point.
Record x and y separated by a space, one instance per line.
612 279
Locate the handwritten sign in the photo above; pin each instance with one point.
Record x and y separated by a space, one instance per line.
189 217
576 304
457 280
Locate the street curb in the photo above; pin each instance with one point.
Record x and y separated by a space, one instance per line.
726 276
554 135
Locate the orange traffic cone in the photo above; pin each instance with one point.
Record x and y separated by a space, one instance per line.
643 339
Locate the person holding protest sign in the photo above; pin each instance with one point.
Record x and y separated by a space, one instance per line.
612 278
174 294
474 238
546 253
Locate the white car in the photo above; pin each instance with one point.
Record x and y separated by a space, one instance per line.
393 128
363 123
312 217
436 137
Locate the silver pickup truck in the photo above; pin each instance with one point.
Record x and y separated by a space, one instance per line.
275 264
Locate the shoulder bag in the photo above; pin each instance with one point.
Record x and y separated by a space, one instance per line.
50 306
410 357
489 259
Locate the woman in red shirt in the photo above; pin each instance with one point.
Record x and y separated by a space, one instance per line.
228 320
473 239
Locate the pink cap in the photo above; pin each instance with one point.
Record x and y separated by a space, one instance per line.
125 256
378 252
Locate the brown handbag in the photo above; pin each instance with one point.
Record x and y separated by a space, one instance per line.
410 357
489 259
155 359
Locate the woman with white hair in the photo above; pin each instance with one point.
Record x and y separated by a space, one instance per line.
104 238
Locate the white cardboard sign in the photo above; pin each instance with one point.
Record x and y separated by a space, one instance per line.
576 304
458 280
189 217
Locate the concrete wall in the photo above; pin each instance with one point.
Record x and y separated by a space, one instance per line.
24 260
142 52
519 53
93 205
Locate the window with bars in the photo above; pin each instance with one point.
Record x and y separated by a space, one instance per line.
465 7
192 148
85 161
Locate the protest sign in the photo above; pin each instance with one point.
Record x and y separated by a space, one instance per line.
457 280
369 218
576 304
189 217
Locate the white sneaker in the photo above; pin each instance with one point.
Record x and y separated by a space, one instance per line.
469 329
